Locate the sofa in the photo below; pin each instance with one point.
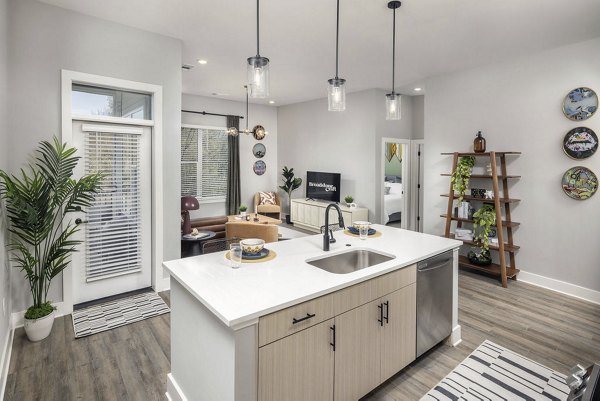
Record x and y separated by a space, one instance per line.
215 224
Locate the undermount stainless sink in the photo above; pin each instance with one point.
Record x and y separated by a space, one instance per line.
350 261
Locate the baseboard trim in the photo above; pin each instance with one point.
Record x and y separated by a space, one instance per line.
18 319
5 362
174 392
163 285
563 287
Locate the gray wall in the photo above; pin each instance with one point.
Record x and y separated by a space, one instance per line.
5 299
259 114
312 138
43 40
418 117
517 104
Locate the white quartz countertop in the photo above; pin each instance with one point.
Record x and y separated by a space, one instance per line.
238 297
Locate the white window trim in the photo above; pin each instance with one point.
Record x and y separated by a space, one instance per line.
212 199
68 78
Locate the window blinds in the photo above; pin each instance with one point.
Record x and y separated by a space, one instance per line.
114 228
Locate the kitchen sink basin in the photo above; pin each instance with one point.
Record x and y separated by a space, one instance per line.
349 261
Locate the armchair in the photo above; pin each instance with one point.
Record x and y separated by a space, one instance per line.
268 210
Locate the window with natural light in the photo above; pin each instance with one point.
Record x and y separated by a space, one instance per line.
204 159
95 101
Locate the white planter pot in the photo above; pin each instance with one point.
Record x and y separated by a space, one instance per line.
38 329
243 214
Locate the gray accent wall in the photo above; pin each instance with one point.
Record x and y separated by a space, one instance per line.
259 114
314 139
45 39
518 106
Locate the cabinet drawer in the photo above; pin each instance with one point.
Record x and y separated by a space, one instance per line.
360 294
295 318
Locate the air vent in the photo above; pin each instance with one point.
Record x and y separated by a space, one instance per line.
187 66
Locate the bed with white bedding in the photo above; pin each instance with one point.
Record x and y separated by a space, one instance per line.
392 200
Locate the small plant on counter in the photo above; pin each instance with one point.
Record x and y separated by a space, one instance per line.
483 220
348 199
461 175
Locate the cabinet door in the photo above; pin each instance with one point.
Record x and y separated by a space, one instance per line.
398 339
357 352
298 367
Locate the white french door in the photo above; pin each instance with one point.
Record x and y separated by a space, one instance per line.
115 256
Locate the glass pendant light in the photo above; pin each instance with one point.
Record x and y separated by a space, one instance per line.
393 101
336 94
258 67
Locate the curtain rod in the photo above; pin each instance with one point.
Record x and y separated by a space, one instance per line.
205 113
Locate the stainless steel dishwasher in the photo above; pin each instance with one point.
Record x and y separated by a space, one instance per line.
434 301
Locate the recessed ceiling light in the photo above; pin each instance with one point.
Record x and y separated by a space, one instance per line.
203 62
418 89
271 101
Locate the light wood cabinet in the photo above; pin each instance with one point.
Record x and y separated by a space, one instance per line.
310 215
298 367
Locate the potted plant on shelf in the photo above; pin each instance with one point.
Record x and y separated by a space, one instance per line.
290 184
483 221
243 208
461 175
349 199
37 204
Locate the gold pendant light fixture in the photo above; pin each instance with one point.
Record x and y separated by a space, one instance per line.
258 131
336 93
393 101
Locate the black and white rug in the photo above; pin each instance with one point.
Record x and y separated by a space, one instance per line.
493 373
108 315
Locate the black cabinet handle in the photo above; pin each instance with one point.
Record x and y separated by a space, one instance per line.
380 320
333 334
308 316
387 311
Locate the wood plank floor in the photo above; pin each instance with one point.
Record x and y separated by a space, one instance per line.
131 362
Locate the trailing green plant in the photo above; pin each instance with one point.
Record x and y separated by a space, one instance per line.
243 208
483 220
37 204
348 199
290 184
461 175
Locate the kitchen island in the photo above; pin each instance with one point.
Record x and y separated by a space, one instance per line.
287 330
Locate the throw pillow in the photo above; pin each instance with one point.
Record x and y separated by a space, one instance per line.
267 198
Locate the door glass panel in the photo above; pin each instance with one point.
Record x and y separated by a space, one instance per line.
95 101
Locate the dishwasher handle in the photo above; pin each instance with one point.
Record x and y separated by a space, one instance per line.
425 266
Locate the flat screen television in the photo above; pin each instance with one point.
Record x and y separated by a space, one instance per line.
323 186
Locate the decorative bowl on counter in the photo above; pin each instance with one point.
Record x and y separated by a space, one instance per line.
252 246
359 224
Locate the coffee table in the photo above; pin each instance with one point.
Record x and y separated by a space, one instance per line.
262 219
193 246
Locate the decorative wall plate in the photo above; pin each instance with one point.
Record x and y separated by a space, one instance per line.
580 104
580 143
260 167
259 150
580 183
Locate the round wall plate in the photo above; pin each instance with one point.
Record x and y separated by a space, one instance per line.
260 167
259 150
580 143
580 183
580 104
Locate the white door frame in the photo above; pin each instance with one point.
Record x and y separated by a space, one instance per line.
414 144
68 78
406 178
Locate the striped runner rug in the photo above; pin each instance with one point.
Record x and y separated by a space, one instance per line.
116 313
493 373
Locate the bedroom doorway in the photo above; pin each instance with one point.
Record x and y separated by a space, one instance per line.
395 183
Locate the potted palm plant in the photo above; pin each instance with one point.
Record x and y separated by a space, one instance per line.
290 184
37 204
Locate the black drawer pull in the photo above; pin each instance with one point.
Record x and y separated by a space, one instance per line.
380 320
308 316
387 311
332 328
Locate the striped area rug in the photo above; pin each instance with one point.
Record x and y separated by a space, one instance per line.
106 316
493 373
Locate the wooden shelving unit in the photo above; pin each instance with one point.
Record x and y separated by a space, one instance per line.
501 201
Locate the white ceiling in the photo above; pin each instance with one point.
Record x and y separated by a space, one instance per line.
433 37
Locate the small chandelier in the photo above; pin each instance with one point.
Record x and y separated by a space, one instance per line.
258 66
393 101
258 131
336 93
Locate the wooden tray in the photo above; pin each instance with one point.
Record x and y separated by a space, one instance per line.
272 255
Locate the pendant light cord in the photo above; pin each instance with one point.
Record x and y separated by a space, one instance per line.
246 86
393 55
337 37
258 28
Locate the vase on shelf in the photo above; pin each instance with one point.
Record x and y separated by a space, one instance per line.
479 143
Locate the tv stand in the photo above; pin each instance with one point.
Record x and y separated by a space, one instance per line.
310 199
309 214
